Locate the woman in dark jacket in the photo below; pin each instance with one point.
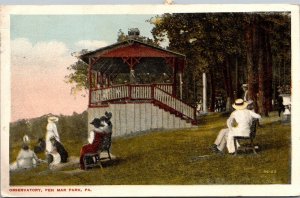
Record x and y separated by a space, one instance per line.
95 139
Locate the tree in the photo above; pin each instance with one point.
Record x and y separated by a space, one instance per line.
79 74
260 29
221 43
209 43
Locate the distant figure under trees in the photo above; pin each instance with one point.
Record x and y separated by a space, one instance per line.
245 89
280 105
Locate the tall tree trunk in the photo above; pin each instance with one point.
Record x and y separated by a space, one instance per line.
230 87
264 72
251 45
261 72
269 75
228 79
237 78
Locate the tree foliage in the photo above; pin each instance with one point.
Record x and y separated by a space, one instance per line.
78 76
218 44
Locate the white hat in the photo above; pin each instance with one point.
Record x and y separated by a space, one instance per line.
239 104
26 139
52 119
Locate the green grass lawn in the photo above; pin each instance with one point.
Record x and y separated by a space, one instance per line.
172 157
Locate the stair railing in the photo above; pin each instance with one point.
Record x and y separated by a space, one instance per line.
159 93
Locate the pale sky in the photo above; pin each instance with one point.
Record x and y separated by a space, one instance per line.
41 48
39 2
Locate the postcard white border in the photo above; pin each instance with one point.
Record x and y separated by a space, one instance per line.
150 190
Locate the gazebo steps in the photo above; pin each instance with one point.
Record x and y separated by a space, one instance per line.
172 112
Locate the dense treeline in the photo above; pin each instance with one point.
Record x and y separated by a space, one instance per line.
232 48
68 127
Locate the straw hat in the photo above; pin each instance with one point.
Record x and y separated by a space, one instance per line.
239 104
52 119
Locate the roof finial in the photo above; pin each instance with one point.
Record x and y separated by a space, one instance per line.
133 33
168 2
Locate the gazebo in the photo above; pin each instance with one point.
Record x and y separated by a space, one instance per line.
140 84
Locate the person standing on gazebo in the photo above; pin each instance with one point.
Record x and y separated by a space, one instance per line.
51 132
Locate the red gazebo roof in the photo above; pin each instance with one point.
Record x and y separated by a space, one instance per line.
131 48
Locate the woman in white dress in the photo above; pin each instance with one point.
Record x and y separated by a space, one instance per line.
51 132
26 159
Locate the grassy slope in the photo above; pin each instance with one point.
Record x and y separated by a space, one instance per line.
170 157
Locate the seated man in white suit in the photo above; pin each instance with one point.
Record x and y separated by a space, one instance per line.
238 123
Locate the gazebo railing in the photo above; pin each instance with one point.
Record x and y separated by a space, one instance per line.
140 92
166 87
130 91
158 93
109 93
173 104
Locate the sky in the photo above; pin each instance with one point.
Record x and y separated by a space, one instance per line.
24 2
41 47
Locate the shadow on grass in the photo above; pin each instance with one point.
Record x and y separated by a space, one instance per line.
206 119
113 162
271 146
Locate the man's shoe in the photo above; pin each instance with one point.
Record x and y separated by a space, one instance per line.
219 152
214 147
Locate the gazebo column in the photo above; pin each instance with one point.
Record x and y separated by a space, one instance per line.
99 79
90 81
175 69
98 75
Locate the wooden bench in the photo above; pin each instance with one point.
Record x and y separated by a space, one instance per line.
251 138
94 159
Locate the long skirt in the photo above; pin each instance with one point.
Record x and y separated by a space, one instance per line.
88 148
